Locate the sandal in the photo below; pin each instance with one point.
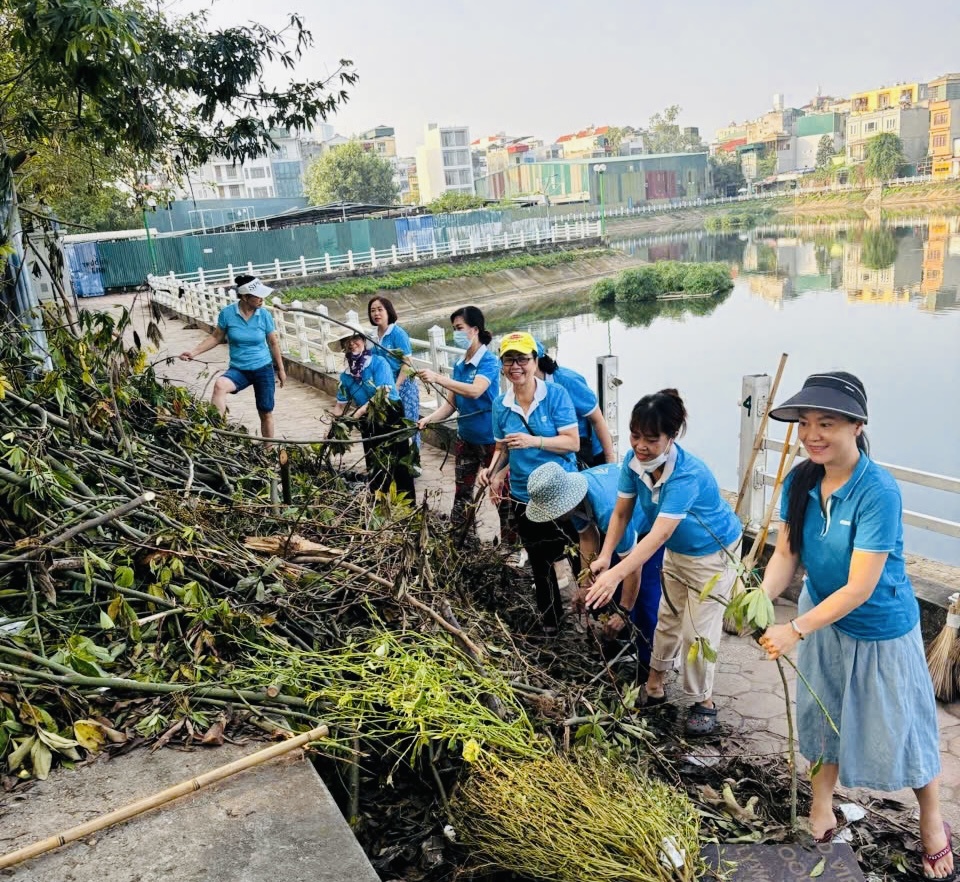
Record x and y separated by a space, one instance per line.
928 860
829 834
653 700
702 720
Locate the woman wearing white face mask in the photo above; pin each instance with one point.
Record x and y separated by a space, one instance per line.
681 498
471 392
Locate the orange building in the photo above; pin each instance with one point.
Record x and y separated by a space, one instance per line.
945 126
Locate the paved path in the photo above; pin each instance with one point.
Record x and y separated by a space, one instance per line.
748 688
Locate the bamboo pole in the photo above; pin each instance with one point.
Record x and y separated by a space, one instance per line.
757 547
761 430
161 798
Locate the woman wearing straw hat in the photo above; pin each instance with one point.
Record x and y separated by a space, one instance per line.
533 423
701 534
857 628
386 447
471 391
254 346
587 500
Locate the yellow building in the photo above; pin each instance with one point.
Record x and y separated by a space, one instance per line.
888 97
945 126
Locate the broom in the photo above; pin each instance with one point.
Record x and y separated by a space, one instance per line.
943 654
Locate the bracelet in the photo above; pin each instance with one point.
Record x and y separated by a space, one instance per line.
541 442
796 629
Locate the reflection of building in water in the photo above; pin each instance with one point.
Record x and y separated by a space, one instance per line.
941 264
773 289
789 267
891 284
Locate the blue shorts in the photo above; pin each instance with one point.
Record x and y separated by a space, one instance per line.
263 381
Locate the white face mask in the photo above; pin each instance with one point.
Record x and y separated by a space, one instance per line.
651 465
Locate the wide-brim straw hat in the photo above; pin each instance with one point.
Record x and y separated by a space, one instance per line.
553 492
830 392
336 345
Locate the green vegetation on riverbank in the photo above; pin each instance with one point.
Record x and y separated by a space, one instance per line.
368 285
741 219
663 277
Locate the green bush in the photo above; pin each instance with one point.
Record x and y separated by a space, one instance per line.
604 291
670 275
705 278
634 285
647 283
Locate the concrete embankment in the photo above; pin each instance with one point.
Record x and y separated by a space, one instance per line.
520 290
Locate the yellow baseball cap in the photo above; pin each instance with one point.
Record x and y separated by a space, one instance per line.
518 341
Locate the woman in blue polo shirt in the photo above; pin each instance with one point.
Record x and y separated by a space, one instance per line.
471 392
857 617
387 458
682 501
587 499
533 423
248 330
392 338
596 443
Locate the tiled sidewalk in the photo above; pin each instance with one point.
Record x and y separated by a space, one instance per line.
748 689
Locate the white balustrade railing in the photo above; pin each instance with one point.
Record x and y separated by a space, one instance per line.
331 264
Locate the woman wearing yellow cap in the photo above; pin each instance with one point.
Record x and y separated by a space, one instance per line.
533 423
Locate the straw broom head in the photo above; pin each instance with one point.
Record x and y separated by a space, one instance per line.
943 654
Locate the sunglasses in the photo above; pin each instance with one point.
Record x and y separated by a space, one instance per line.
510 360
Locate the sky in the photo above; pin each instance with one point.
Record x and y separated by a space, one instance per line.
557 66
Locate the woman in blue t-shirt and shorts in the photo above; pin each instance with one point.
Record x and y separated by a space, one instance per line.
857 629
682 501
254 346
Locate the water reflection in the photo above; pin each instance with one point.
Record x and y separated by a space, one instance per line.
915 263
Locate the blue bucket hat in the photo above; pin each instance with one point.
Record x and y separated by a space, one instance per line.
553 492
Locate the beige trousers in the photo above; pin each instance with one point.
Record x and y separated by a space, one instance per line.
683 617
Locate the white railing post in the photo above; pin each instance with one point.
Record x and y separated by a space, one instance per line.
326 262
473 246
303 265
436 338
200 276
553 235
352 318
276 268
350 258
373 257
755 398
538 236
393 251
522 239
453 247
489 243
435 255
413 252
300 326
250 267
567 227
327 358
230 276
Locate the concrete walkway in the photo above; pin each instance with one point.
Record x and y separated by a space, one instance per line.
748 688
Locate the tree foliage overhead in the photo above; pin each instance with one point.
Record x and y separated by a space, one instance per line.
664 135
884 156
349 173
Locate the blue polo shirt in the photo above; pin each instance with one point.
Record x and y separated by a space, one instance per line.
377 373
247 337
550 412
865 514
687 492
584 401
475 420
602 481
395 338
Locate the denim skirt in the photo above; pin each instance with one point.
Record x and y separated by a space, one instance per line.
879 695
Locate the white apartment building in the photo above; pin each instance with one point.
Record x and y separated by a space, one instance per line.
910 124
444 161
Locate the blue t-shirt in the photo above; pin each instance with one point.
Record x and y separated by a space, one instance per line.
584 401
247 337
376 374
602 481
550 412
475 420
688 493
395 338
865 514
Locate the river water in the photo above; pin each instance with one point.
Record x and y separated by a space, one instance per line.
881 302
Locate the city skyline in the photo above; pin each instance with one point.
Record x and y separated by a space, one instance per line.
547 71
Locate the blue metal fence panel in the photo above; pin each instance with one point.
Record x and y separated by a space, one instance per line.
84 263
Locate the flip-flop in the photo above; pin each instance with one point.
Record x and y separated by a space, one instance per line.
930 859
829 834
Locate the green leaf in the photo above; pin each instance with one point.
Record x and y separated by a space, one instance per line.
123 577
693 651
41 757
15 760
818 869
709 653
711 584
816 766
105 621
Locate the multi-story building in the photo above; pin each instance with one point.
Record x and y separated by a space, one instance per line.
404 172
380 140
888 97
444 162
944 147
911 124
589 143
811 128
